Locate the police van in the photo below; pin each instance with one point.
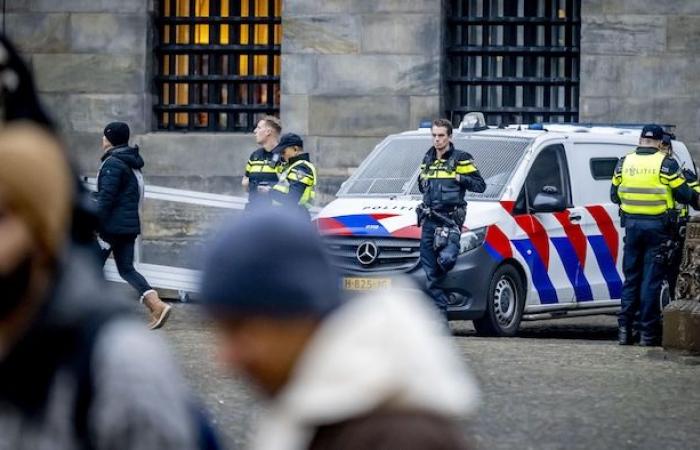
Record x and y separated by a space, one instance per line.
543 241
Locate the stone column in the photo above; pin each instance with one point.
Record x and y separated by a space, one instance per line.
356 71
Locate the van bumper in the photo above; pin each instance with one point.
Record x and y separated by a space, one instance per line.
467 284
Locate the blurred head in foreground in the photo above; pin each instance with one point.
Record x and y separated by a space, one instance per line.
268 281
375 371
36 191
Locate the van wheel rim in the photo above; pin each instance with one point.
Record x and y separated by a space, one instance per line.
504 302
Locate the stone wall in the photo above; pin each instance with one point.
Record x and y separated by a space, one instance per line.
355 71
91 60
640 62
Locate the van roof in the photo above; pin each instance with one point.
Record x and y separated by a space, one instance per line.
595 133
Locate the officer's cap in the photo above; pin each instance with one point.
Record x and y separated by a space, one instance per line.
653 132
289 140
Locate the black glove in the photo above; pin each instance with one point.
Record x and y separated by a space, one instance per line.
689 175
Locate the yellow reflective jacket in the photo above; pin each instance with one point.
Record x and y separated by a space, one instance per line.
297 184
645 183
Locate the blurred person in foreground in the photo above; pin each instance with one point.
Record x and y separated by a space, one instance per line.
120 190
76 370
374 372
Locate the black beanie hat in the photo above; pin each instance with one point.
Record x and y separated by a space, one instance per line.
270 263
117 133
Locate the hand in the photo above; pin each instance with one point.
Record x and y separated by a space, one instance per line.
458 178
689 175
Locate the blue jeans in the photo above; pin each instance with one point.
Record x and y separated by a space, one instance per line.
644 274
428 259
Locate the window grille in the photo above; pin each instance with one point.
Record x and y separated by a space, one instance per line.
517 61
217 63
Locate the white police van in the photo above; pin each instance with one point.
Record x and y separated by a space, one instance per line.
543 241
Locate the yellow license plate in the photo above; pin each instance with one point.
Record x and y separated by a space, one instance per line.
366 284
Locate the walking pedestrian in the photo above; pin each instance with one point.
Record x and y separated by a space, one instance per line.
120 190
375 372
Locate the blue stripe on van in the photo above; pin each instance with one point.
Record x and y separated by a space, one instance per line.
540 277
607 266
573 269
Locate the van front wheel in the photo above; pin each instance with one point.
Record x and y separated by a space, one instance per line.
504 306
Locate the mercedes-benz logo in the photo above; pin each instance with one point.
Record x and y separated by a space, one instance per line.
367 253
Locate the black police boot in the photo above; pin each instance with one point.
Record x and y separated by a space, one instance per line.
650 340
625 336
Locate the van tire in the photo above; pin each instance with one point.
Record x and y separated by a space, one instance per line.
504 305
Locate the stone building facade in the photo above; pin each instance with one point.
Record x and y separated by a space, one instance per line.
352 71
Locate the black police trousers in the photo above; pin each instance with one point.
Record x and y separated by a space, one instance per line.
433 261
644 272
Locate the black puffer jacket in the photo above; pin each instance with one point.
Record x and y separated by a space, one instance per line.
118 191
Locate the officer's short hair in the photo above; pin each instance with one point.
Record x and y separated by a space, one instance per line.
443 123
274 123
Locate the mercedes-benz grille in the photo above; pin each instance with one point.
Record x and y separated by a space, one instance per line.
372 254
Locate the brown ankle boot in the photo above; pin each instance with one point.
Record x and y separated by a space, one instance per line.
159 310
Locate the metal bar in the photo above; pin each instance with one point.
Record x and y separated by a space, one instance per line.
171 65
214 94
270 58
251 61
518 109
509 20
230 20
512 50
192 70
239 49
513 81
206 107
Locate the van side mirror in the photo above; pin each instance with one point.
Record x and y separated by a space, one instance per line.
549 200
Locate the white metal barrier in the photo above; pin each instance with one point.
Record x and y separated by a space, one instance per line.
184 281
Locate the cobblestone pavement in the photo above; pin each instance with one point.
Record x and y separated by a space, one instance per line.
561 384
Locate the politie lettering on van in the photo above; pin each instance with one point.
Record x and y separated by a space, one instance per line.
543 241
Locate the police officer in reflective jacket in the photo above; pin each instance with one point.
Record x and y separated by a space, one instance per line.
674 250
647 185
445 175
297 184
264 165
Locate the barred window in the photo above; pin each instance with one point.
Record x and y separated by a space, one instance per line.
517 61
218 63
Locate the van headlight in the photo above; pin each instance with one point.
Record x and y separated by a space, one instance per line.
472 239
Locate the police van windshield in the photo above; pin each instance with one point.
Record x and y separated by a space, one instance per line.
392 168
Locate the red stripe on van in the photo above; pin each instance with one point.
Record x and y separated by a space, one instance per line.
575 234
537 235
607 228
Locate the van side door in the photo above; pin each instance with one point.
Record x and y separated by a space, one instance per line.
540 238
597 217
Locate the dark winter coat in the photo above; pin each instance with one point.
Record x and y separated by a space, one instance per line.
119 191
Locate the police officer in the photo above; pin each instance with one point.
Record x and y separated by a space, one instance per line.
647 184
676 252
297 183
445 175
263 167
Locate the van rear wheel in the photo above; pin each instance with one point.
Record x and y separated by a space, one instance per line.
504 306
